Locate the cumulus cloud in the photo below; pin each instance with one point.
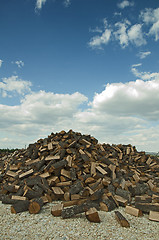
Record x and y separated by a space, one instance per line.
121 113
143 55
151 17
14 84
99 40
125 4
1 61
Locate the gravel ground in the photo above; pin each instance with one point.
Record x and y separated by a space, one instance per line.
46 227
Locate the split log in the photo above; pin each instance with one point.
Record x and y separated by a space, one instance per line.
122 201
121 219
133 211
36 205
107 205
147 207
76 187
124 193
154 216
92 215
20 206
57 210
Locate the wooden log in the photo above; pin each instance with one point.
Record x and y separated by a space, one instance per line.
35 206
57 210
76 187
122 201
31 181
155 198
154 216
147 207
20 206
73 174
121 219
112 198
143 199
101 170
26 174
11 174
9 188
7 200
97 194
14 197
30 194
92 215
72 211
124 193
107 205
133 211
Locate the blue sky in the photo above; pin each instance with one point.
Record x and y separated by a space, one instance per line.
87 65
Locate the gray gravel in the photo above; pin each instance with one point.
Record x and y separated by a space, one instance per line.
46 227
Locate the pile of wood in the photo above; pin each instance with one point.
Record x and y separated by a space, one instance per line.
84 175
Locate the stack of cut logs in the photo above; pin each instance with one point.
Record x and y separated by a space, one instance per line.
84 175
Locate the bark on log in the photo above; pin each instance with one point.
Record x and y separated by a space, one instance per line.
121 219
92 215
20 206
36 205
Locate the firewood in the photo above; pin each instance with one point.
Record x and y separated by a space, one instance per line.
20 206
92 215
133 211
76 187
123 193
26 174
143 199
36 205
72 211
30 194
57 210
147 207
154 216
14 197
11 173
121 219
107 205
122 201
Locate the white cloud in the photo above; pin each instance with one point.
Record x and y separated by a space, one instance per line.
125 4
1 61
143 55
121 113
19 63
144 75
135 35
103 39
121 33
151 16
40 3
14 84
127 34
